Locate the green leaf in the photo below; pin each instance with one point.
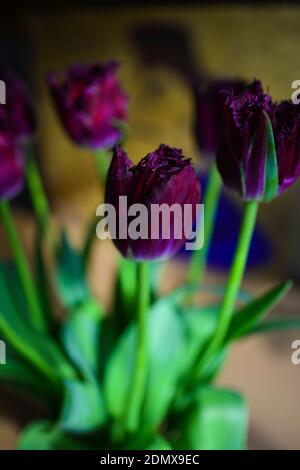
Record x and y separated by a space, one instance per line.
118 373
159 443
213 366
200 324
17 373
70 276
44 436
271 167
37 348
166 359
9 279
83 408
249 315
146 441
276 324
218 420
81 336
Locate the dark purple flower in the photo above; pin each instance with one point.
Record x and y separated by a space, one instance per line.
90 102
259 152
209 102
286 125
17 115
164 176
12 173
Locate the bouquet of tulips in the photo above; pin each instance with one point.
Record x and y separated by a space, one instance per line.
140 376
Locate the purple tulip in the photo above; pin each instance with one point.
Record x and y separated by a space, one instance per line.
90 103
164 176
209 102
17 115
12 172
259 156
286 125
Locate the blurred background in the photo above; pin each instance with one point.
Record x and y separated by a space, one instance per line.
160 47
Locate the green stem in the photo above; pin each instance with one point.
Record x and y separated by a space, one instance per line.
140 371
28 350
37 193
211 201
102 163
22 267
233 284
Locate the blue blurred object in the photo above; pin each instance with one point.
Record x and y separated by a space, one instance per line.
226 235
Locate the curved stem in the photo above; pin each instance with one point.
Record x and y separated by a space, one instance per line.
234 282
211 201
22 267
37 193
140 371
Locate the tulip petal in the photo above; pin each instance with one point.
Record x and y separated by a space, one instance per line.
162 177
89 99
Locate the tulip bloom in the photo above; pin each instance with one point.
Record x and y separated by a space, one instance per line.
259 156
209 102
17 115
90 102
12 173
164 176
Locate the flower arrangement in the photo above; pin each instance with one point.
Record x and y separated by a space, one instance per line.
141 376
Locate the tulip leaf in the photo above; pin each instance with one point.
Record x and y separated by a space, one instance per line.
213 366
118 373
146 441
10 282
158 443
200 324
83 407
70 277
42 435
165 359
217 420
81 337
17 373
249 315
276 324
37 348
271 167
167 346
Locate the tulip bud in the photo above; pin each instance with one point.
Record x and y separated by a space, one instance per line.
17 114
209 102
259 152
90 103
12 173
164 176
